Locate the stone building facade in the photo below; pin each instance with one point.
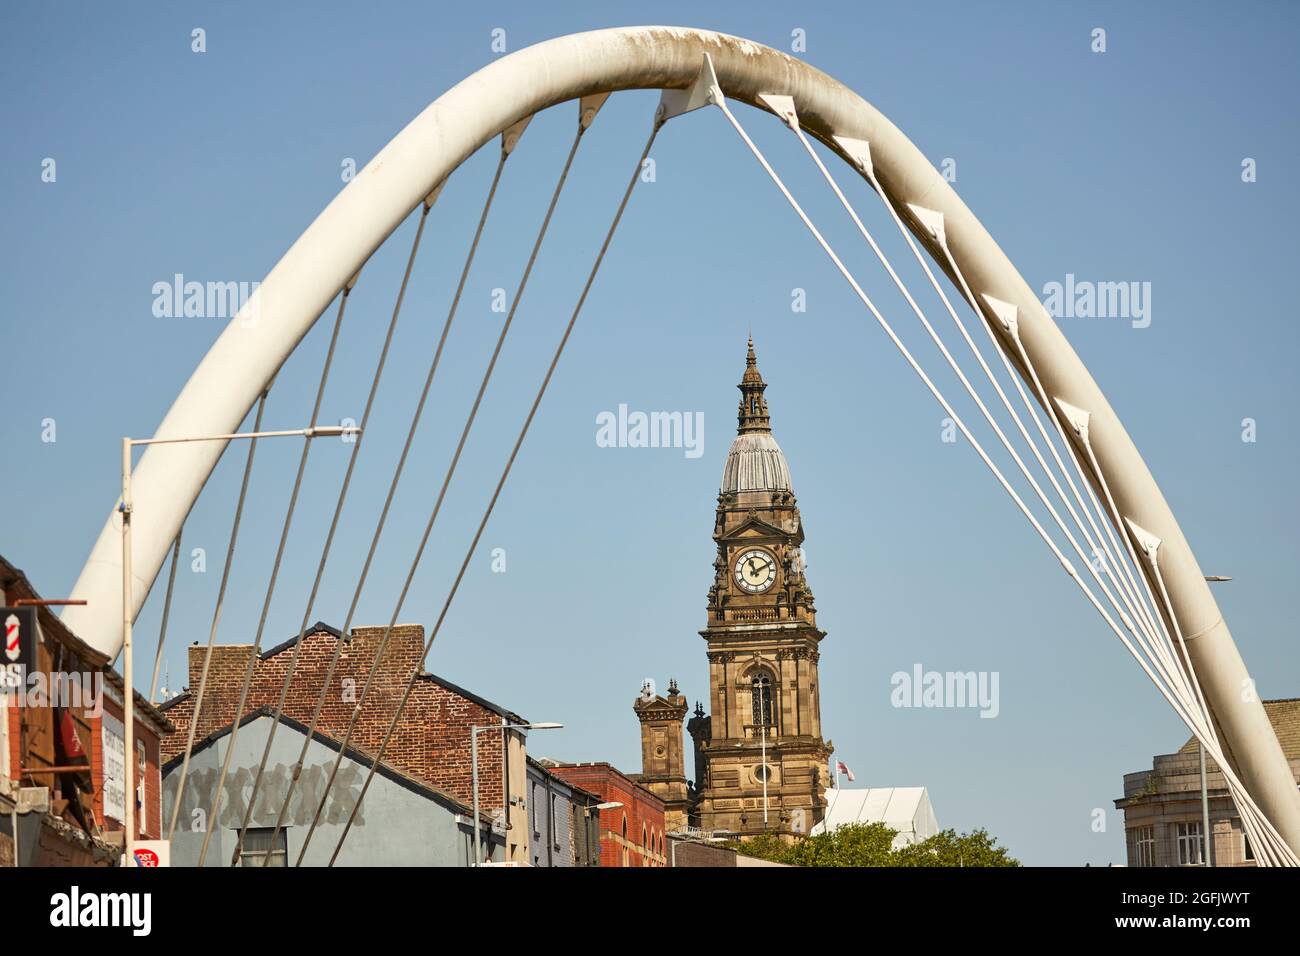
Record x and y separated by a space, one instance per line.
1162 806
760 758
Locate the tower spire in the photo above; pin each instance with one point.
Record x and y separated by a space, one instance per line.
752 415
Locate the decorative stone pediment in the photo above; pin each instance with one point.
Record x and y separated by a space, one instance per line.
754 527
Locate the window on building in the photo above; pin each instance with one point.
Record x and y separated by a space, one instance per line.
761 688
625 853
555 821
258 846
1247 850
532 809
1191 844
1142 846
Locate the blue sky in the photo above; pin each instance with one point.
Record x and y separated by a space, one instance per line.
1122 166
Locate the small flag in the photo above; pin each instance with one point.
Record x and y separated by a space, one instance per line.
842 767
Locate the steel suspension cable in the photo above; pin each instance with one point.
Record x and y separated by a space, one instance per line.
1157 644
1151 624
910 359
1136 608
793 123
1095 539
1173 700
1164 663
255 651
325 554
1207 735
166 614
1180 677
1171 670
216 621
451 470
505 474
1113 553
336 655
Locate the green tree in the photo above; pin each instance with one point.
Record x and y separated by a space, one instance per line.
854 844
765 846
871 844
950 848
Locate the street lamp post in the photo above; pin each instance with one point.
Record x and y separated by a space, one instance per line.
474 731
128 696
607 805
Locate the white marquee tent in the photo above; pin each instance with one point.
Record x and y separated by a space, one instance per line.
905 809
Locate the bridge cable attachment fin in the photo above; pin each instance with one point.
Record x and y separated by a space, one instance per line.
859 153
588 107
782 106
931 221
705 91
1076 418
432 198
510 135
1147 542
1006 314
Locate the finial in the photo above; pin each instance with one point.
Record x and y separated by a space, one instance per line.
752 414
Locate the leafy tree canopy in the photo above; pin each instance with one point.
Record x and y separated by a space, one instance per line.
871 844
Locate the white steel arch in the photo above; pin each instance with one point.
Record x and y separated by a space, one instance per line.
337 244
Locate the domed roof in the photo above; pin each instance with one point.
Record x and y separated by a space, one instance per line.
755 461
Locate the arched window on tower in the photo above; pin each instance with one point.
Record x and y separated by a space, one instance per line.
761 691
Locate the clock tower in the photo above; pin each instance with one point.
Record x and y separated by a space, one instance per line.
760 760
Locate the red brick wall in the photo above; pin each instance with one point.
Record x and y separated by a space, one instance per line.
431 742
641 809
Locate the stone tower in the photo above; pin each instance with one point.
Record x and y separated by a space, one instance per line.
760 752
662 759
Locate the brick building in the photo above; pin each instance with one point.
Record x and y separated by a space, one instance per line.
631 835
431 743
1162 806
563 821
70 717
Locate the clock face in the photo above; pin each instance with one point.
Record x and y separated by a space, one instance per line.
755 570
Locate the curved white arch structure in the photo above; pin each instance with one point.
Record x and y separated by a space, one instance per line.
337 244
